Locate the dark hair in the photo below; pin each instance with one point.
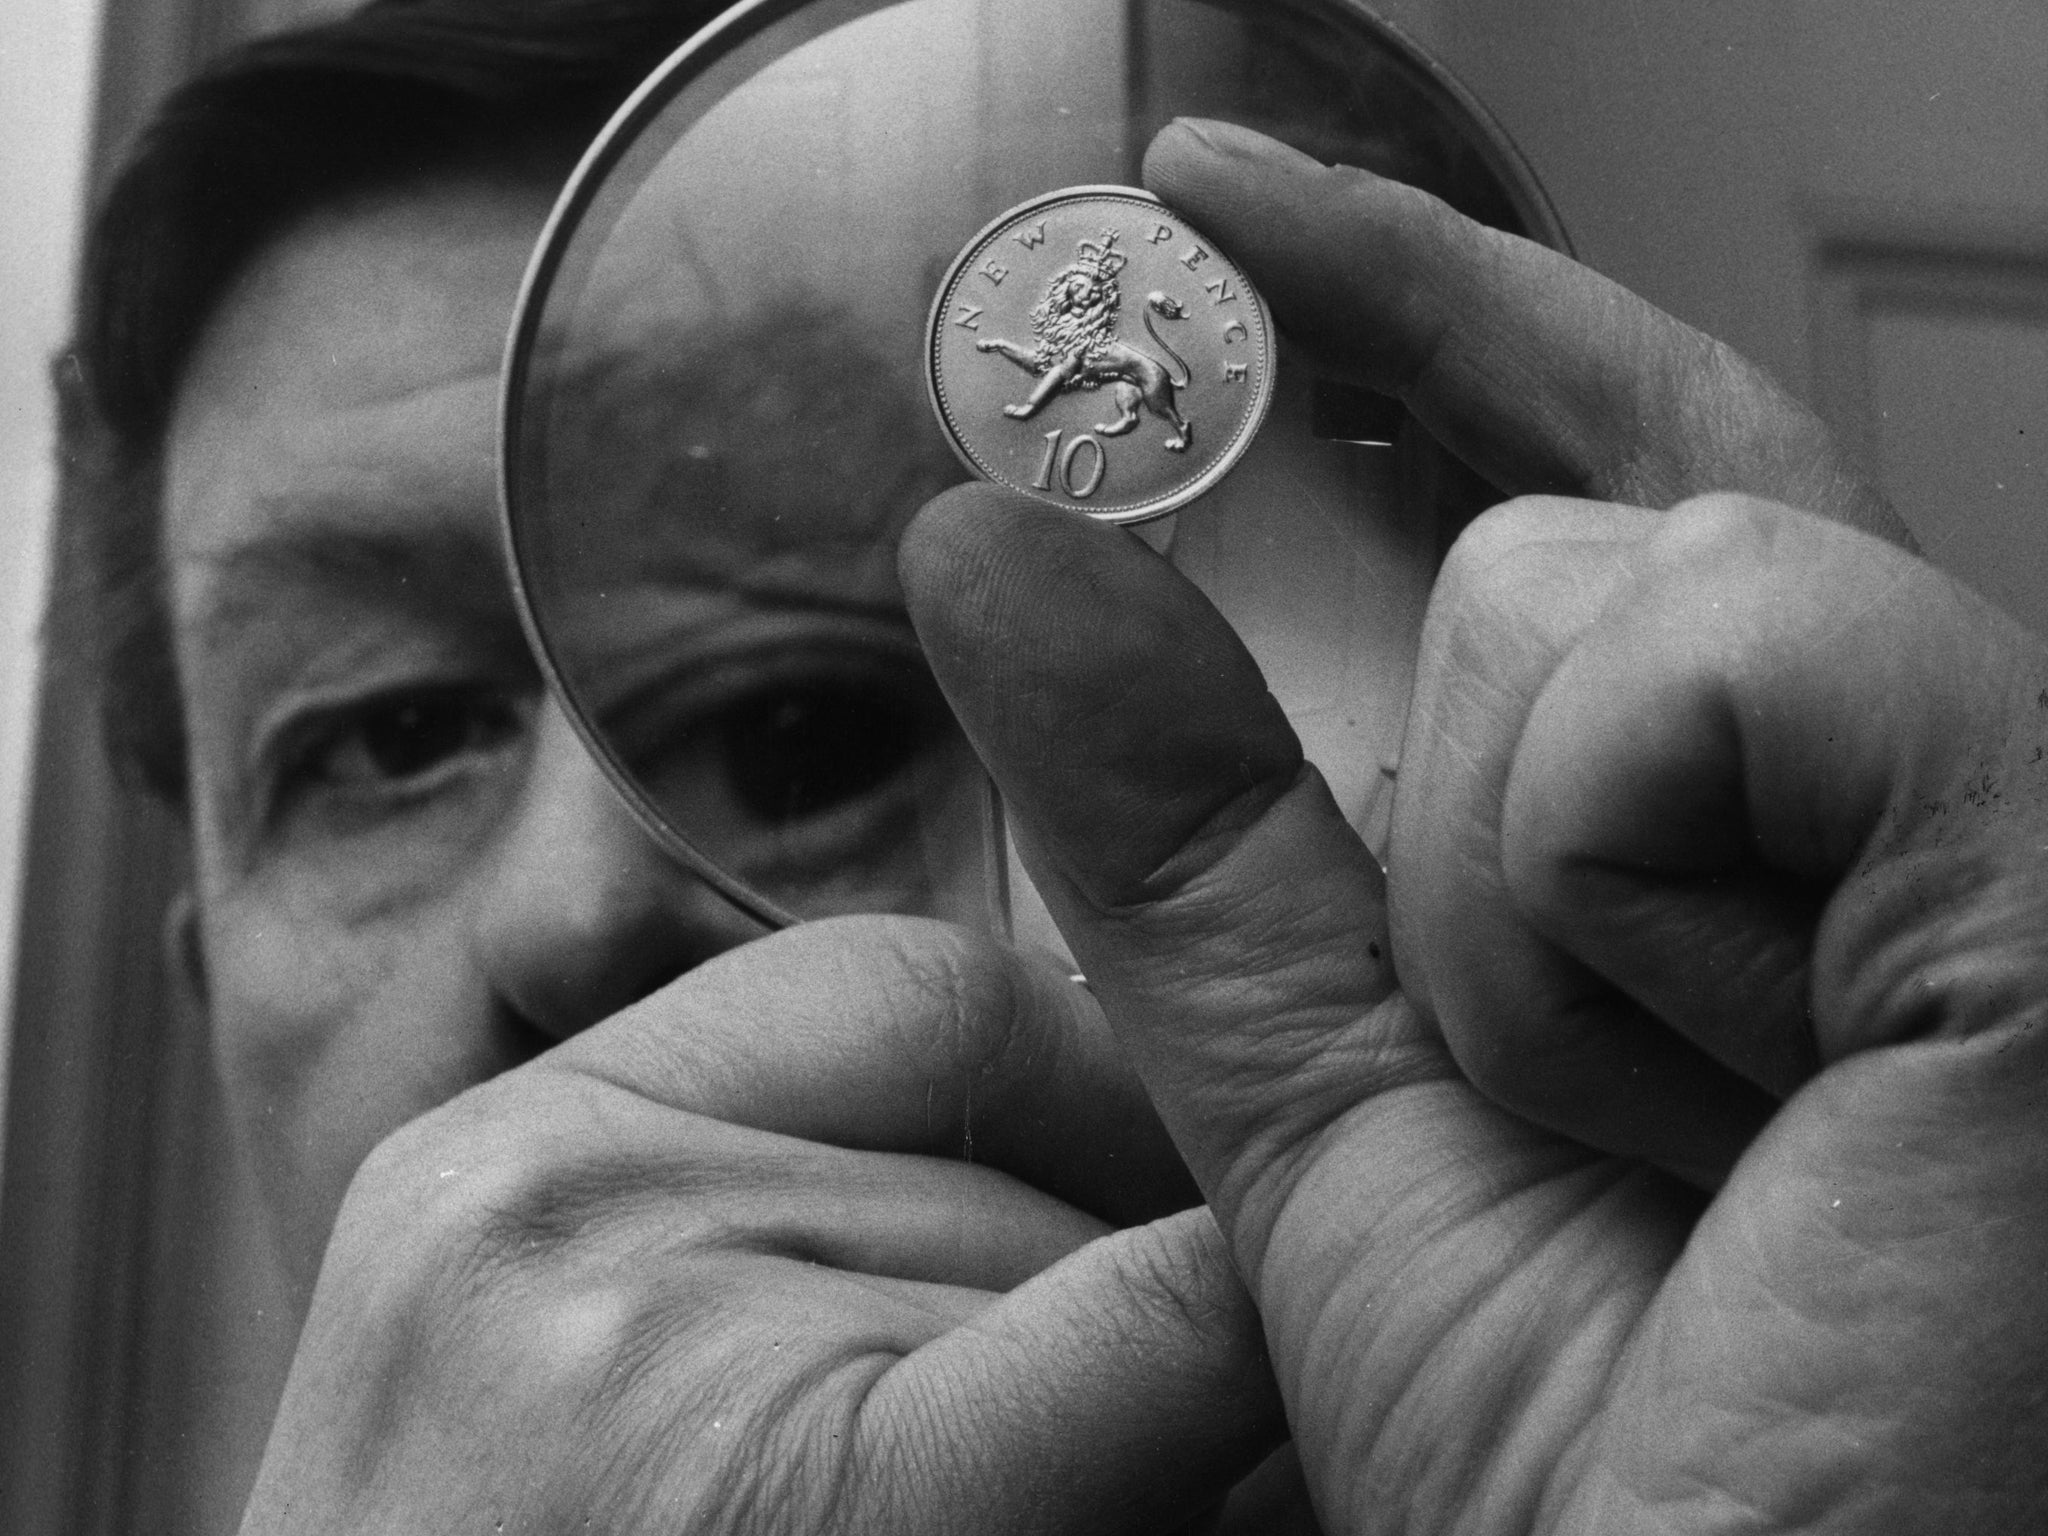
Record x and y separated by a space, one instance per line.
399 90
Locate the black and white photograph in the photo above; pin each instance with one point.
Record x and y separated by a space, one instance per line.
1023 768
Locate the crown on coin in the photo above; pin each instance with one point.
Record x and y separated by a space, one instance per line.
1101 258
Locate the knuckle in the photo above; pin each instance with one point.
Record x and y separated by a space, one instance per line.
1490 557
458 1245
1722 533
970 991
470 1189
1177 1276
955 1000
1180 1294
1497 598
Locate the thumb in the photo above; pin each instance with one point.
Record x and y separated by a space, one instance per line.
1231 922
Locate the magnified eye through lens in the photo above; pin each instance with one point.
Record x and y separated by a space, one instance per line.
796 751
761 748
806 752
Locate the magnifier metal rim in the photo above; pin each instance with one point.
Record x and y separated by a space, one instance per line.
722 35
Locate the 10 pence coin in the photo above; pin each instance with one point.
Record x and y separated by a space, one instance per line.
1089 348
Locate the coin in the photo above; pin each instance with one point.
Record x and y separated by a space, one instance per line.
1092 349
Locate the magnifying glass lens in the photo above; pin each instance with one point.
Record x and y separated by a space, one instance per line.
717 422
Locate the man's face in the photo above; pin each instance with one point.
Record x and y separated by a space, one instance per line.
410 876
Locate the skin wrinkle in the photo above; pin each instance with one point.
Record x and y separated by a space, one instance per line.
613 1190
1654 482
1513 1391
968 995
890 1469
834 1439
1645 1498
1234 821
1165 1280
277 680
1577 1458
806 1460
1322 994
409 1369
526 1204
619 667
1481 585
1443 1338
1279 1188
1312 1008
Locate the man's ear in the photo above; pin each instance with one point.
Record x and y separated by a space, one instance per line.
183 956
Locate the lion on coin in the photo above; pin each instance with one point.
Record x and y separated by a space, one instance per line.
1076 346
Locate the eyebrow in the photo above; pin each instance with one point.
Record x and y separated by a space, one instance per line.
434 564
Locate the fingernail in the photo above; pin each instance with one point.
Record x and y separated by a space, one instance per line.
1222 138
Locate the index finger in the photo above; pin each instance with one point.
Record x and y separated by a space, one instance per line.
1541 374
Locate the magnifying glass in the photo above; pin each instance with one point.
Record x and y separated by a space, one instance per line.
718 417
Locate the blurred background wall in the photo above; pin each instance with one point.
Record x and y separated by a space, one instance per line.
1852 192
47 56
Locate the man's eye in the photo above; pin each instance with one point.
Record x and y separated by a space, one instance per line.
797 750
390 742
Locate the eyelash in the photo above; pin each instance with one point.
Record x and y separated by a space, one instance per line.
489 716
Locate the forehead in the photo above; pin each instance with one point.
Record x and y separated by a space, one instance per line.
356 355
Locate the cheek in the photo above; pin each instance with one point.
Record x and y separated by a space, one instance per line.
328 1036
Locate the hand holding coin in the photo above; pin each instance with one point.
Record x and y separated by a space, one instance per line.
1645 750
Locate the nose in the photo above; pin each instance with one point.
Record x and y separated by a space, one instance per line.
582 913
